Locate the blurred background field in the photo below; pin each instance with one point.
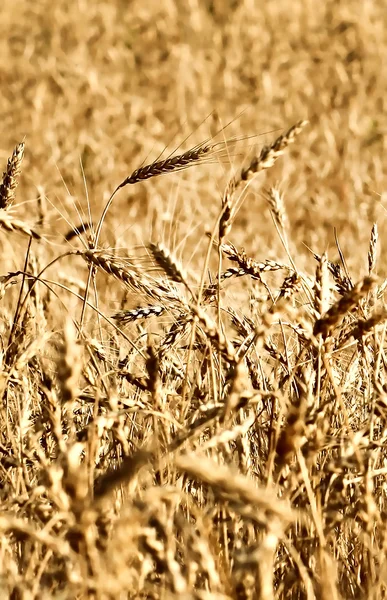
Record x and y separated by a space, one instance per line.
110 84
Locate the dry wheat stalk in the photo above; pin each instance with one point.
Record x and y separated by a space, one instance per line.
265 160
11 176
112 264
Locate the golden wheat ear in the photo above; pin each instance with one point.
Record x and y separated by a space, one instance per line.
11 176
265 160
11 223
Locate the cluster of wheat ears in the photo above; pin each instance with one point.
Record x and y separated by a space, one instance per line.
183 448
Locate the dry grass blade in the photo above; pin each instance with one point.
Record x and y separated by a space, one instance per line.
11 176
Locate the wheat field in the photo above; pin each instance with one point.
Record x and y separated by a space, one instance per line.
193 356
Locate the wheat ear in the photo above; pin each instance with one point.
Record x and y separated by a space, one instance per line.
265 160
11 223
10 177
169 165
